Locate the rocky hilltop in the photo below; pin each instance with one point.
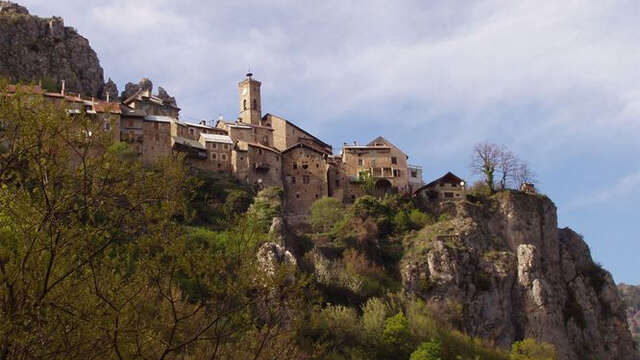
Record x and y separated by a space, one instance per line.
518 276
631 296
44 49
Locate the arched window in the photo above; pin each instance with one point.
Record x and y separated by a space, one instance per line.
254 105
244 104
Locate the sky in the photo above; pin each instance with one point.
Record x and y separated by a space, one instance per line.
558 82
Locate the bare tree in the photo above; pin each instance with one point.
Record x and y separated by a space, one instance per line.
524 174
508 165
485 160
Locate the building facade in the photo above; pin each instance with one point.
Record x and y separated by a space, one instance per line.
260 150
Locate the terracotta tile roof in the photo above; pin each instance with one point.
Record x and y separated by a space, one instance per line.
34 89
107 107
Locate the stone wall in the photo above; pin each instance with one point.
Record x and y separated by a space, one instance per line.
156 140
305 178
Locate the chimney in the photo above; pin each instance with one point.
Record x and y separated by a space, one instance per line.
62 91
203 122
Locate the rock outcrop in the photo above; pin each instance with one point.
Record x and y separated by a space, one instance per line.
44 50
109 91
631 297
516 275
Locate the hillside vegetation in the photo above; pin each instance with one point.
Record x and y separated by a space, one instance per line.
103 258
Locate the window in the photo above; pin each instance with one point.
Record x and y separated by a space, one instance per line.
394 160
337 183
265 140
414 173
192 131
306 179
226 146
295 166
305 166
254 105
360 162
396 173
448 194
214 146
214 156
130 123
223 157
298 196
155 125
244 104
293 179
219 165
316 196
107 126
259 151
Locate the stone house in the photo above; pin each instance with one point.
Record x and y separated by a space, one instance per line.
304 171
382 160
447 188
257 164
219 148
156 138
150 104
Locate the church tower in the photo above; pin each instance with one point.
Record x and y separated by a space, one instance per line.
250 101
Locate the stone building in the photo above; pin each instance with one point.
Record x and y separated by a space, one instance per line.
260 150
447 188
381 160
305 177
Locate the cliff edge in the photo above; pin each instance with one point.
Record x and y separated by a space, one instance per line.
43 49
518 276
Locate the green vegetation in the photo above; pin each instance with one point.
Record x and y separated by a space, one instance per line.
102 257
325 213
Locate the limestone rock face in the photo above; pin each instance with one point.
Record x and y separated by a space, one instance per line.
631 298
7 7
271 255
146 84
129 90
516 275
110 90
164 95
38 49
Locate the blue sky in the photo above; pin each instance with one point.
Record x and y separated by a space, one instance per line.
556 81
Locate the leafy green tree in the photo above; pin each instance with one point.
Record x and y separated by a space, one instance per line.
325 213
397 337
367 182
431 350
96 259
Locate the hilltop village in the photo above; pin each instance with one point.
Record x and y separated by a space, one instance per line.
261 150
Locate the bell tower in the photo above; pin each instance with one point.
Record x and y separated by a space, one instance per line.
250 100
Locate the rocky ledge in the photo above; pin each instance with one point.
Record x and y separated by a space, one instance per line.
516 275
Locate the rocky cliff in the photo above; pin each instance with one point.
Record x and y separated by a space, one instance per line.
43 49
516 275
631 297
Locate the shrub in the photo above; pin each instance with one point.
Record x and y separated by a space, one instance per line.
266 206
479 189
431 350
326 213
396 336
529 349
418 219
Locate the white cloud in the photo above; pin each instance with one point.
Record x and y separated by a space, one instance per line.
624 187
